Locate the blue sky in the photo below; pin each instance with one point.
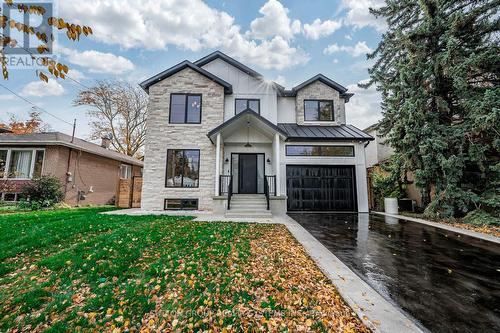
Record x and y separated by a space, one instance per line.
286 41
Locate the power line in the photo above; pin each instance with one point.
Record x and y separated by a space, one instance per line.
34 105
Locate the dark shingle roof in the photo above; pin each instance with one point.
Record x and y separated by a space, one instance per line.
309 132
61 139
228 88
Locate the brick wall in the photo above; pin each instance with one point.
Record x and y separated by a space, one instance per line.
87 170
162 136
319 90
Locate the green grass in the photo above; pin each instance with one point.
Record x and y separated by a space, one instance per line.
72 270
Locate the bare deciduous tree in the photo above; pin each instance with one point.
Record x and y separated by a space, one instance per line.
119 109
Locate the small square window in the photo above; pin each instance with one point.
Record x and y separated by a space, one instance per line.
242 104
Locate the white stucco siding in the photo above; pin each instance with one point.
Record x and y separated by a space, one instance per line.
245 86
286 110
358 161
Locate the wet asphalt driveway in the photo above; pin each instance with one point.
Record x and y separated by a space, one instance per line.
445 281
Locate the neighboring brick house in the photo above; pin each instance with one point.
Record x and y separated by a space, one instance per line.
89 173
216 122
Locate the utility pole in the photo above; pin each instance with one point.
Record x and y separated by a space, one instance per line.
74 128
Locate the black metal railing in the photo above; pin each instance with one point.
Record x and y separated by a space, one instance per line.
271 181
266 191
229 192
224 184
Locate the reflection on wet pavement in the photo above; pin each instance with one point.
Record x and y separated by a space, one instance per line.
448 282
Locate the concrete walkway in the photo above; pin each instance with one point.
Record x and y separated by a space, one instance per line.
471 233
375 311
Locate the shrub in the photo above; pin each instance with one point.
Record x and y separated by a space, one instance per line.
41 193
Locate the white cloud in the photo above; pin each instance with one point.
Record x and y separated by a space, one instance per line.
6 97
363 109
274 22
359 16
42 89
359 49
335 61
318 29
76 74
280 79
191 25
98 62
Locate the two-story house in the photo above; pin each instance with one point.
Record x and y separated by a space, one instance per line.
222 138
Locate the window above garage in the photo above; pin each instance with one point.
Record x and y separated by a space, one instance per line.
327 151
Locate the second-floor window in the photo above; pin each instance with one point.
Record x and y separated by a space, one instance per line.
318 110
185 108
246 104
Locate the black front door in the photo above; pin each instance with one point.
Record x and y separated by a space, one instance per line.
247 173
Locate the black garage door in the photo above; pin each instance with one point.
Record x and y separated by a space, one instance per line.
321 188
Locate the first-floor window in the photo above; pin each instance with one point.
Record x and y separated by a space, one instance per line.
3 162
181 204
20 164
310 150
125 171
182 168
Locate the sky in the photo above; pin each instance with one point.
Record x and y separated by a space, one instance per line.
288 41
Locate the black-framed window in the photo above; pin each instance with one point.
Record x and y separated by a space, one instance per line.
181 204
183 167
243 104
311 150
318 110
185 109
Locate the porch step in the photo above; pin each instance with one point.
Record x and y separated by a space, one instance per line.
253 214
248 206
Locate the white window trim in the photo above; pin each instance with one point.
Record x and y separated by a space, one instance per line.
129 167
32 166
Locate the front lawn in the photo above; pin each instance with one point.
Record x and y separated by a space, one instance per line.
77 270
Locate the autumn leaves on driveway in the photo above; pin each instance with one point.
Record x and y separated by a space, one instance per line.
77 270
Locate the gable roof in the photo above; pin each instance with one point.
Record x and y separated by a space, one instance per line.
61 139
323 79
219 55
228 88
240 115
325 133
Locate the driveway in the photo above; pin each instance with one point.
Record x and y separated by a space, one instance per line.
447 281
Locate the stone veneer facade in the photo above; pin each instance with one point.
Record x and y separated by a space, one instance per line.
162 135
319 90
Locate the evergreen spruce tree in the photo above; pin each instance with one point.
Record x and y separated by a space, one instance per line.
437 68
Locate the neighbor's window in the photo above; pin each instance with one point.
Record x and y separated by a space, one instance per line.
38 167
185 109
246 104
125 171
338 151
182 168
181 204
20 164
3 162
318 110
